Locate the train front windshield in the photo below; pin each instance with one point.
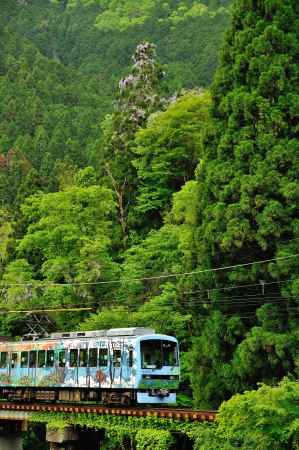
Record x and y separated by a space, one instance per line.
158 353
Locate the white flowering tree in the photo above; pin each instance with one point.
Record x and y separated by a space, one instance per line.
140 94
140 91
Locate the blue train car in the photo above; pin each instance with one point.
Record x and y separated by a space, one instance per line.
122 365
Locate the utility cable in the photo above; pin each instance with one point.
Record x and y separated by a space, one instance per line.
157 277
195 301
129 308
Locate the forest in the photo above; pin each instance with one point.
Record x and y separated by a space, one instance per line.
149 163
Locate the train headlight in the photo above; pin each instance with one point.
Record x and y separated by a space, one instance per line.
172 377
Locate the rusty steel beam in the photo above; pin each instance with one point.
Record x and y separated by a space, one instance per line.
166 413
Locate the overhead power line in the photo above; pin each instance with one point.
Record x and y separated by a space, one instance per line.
112 301
35 311
157 277
192 303
64 266
181 299
238 301
293 312
239 286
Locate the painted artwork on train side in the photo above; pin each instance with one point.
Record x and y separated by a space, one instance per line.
93 363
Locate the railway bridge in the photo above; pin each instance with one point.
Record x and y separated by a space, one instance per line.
15 417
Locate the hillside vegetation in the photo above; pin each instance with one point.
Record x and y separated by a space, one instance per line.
140 181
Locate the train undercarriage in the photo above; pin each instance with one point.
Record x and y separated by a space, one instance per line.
124 397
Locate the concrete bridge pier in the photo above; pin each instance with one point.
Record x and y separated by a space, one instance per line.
11 434
11 442
65 438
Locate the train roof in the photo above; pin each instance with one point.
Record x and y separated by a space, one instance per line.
112 332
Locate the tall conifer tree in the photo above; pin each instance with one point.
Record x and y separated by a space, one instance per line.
139 95
248 198
249 177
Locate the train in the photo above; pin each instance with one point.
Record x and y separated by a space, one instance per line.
124 366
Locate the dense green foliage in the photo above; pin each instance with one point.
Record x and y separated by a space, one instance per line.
59 65
48 114
167 152
185 201
263 419
247 203
97 36
68 238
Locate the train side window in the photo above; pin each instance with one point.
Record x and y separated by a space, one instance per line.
83 357
14 360
24 359
61 358
73 357
130 358
3 360
93 354
32 359
41 358
103 357
117 358
50 358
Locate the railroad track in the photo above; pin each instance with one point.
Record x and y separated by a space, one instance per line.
166 413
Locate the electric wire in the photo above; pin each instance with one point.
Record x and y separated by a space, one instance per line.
220 252
248 316
242 301
165 307
197 300
112 302
157 277
210 290
35 311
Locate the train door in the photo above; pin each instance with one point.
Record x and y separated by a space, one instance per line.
13 367
4 368
45 368
116 352
129 366
60 366
92 367
103 372
23 378
49 371
72 373
32 367
83 378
